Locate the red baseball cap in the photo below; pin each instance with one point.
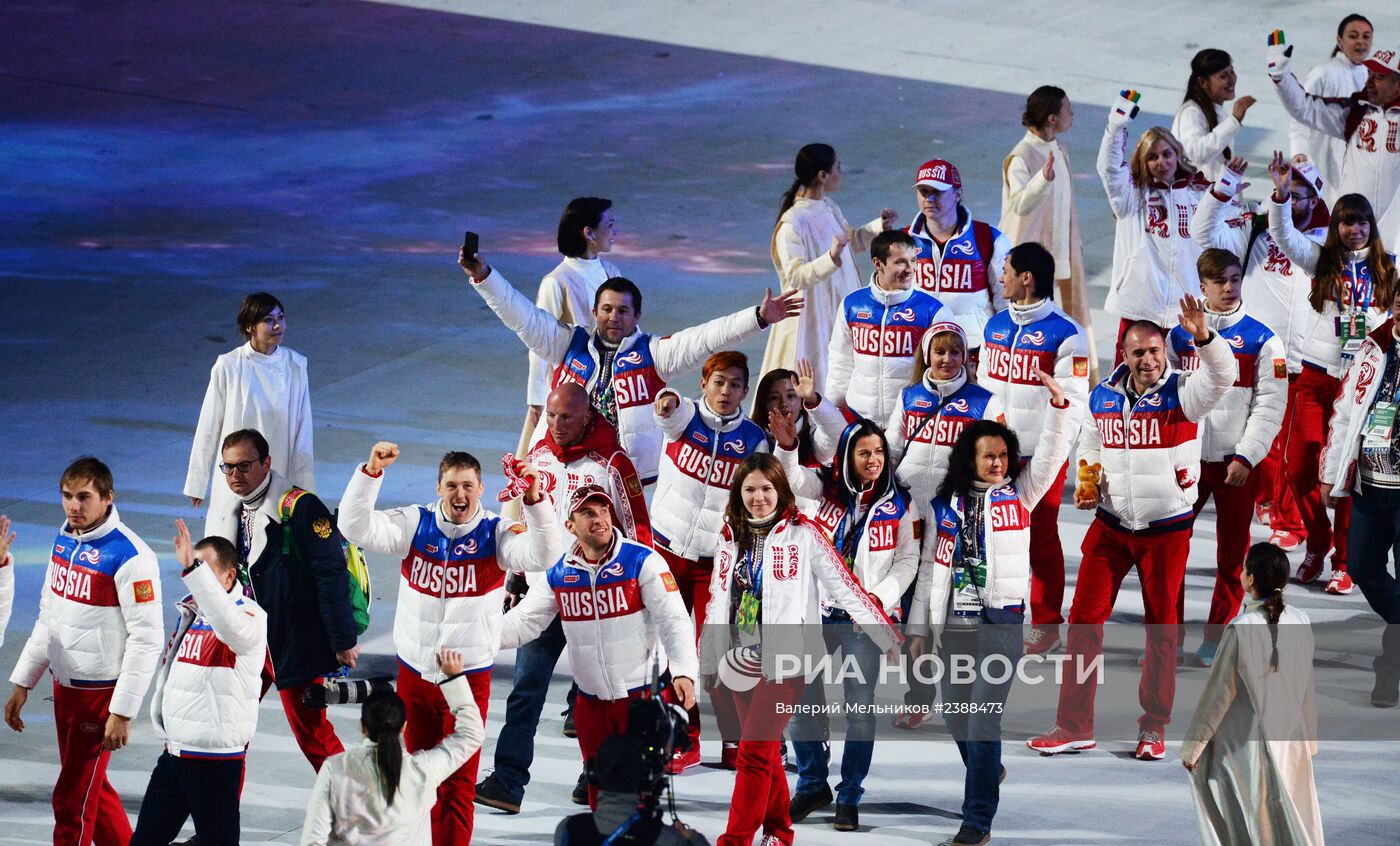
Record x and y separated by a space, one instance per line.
939 174
1383 62
585 494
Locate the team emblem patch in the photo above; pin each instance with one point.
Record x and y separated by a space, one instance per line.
670 582
1081 366
1280 369
145 591
322 528
517 528
634 486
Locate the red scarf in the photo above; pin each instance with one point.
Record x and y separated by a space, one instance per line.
599 436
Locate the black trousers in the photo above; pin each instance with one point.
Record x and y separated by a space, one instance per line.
181 788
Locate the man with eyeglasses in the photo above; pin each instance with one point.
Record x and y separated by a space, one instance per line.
302 585
1278 298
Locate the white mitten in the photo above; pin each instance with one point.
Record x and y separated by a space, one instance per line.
1124 109
1278 55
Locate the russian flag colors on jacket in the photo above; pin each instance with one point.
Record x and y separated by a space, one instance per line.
965 272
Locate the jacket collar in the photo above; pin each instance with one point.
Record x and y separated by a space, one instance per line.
714 421
106 527
1117 381
1026 315
1384 335
919 229
888 298
1225 320
946 388
575 558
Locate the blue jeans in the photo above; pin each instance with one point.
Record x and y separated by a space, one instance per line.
515 747
978 734
1374 542
812 767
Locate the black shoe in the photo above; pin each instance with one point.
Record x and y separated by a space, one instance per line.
491 794
804 804
847 818
1386 693
580 794
569 730
968 836
1002 776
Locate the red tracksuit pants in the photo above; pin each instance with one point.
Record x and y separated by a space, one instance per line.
693 577
1234 512
1109 553
1314 396
1274 490
760 797
86 808
1048 556
311 727
429 721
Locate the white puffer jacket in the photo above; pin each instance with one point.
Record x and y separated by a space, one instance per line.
452 577
1154 258
100 622
1205 147
1151 451
1007 544
206 699
641 368
697 470
613 613
1371 165
1342 449
873 344
1021 341
960 273
1320 347
1276 288
925 425
1243 426
800 566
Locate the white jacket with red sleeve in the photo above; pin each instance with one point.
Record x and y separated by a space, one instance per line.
100 622
1342 449
452 575
613 613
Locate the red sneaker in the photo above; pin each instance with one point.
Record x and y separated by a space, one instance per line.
1340 583
1262 512
1058 740
912 719
1310 569
1042 639
682 761
1286 540
1151 746
729 756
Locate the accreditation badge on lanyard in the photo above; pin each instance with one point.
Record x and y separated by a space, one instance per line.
1351 331
746 618
1380 426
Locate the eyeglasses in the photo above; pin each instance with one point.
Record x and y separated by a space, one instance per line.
242 467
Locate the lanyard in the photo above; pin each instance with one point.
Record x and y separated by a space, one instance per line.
754 565
1355 287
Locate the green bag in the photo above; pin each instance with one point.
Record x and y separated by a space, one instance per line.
358 572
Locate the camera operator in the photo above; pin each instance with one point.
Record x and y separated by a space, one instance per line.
614 596
625 812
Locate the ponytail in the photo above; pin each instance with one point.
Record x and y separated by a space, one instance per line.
811 161
1206 63
1268 566
382 719
1342 28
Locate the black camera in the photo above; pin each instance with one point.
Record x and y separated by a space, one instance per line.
343 691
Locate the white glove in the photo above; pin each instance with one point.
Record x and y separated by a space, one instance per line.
1229 182
1278 55
1125 108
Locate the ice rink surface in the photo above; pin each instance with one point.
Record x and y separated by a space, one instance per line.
162 160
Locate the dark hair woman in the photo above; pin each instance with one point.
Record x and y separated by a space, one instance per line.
1354 279
378 791
1256 722
1341 76
813 250
260 385
1201 124
773 571
974 583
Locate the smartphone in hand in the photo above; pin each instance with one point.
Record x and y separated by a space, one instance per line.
470 244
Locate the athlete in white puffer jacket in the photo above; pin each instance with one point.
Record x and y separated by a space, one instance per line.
878 330
624 369
205 705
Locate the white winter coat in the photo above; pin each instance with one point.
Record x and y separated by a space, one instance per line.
205 703
567 293
100 621
1342 448
249 390
347 806
1205 147
452 578
1336 77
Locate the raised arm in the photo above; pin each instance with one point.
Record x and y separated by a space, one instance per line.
1123 197
1202 144
1300 249
243 631
444 759
687 349
389 532
1210 226
1327 115
1202 390
672 413
540 331
1052 449
537 544
550 299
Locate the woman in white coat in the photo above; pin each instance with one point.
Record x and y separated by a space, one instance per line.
1250 745
261 385
1206 131
1342 75
813 251
378 793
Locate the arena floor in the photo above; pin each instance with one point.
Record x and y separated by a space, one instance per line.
162 160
